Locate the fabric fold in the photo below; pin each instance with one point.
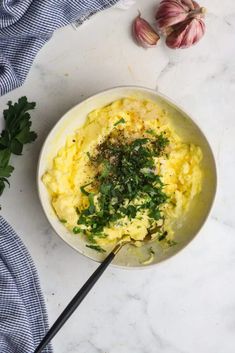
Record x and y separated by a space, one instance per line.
26 25
23 317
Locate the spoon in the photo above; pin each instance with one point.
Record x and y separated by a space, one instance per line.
78 298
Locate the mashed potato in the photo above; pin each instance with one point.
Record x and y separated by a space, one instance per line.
178 168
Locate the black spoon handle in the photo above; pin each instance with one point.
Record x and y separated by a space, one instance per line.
72 306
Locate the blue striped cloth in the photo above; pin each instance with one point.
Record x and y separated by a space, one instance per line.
26 25
23 318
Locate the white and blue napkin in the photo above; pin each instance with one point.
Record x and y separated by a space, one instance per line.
26 25
23 318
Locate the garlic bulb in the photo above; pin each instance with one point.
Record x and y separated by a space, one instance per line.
181 21
144 34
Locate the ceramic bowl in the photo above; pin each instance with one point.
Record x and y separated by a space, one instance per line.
189 131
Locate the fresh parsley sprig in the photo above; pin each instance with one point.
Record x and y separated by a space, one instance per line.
15 135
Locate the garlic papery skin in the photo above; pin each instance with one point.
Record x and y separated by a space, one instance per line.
144 34
186 34
171 12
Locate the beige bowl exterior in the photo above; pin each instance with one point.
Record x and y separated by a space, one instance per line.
183 125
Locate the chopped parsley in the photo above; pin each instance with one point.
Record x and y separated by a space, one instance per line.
151 132
162 236
77 230
121 121
126 184
96 247
171 242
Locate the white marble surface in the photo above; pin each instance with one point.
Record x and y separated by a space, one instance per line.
185 305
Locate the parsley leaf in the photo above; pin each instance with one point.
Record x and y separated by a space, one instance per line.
83 191
163 236
121 121
171 243
96 247
77 230
151 132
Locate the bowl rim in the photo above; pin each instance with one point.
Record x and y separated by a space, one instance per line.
178 107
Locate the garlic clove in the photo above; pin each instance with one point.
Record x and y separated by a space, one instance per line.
144 34
171 12
186 34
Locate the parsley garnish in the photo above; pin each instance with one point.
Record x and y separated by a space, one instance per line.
151 132
77 230
16 134
96 247
171 242
127 183
121 121
162 236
